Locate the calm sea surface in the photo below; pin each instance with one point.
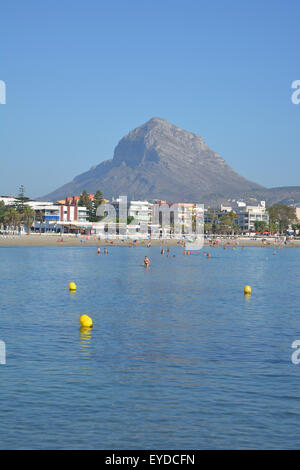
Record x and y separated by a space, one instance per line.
178 358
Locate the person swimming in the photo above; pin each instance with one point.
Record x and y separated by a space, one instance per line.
146 262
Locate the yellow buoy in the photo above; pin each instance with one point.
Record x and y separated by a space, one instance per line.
86 321
72 286
247 290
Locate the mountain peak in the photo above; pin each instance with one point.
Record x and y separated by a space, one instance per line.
159 160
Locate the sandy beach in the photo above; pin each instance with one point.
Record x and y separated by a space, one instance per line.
71 240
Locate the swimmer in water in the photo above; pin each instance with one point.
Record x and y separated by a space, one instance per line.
162 251
146 262
105 251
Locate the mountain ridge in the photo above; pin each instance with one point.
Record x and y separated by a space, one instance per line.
159 160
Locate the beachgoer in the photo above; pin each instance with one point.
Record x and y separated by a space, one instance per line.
146 262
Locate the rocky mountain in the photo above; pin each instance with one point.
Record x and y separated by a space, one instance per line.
161 161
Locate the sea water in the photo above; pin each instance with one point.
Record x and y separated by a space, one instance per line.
178 357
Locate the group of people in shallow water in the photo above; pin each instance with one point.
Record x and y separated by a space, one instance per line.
99 251
188 252
185 252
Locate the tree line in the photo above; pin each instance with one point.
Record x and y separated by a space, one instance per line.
281 217
17 214
91 204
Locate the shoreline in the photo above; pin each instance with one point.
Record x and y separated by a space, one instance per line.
37 240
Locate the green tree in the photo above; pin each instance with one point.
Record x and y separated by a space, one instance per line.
91 205
39 216
236 228
213 219
232 216
21 200
296 226
98 200
226 224
208 227
260 226
2 212
281 216
84 199
12 217
28 218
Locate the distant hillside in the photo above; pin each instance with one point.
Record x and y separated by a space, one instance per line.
282 195
161 161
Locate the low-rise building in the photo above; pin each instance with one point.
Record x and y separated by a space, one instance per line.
245 215
52 217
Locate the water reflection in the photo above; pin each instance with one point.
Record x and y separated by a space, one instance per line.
85 337
178 356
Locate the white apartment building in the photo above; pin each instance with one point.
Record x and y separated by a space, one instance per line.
140 211
248 215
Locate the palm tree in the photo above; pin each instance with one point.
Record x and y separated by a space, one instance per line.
207 226
236 228
39 215
232 215
213 217
11 218
28 217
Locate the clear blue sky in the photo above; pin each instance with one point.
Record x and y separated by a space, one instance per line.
81 74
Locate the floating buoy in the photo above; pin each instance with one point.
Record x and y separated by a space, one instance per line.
72 286
86 321
247 290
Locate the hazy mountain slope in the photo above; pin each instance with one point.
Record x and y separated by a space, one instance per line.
160 160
